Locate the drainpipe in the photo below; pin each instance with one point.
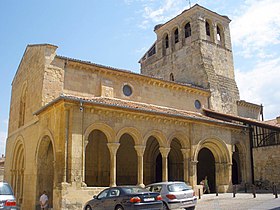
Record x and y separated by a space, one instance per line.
251 130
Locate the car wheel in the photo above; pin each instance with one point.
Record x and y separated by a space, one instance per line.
165 207
88 208
119 208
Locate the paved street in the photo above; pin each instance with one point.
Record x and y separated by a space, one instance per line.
242 201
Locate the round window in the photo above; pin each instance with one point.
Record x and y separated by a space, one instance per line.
197 104
127 90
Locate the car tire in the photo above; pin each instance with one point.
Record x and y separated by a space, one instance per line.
119 208
165 207
88 208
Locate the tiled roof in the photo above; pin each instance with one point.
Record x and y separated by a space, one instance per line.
250 121
272 122
140 107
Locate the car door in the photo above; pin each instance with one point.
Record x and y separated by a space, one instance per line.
112 199
101 200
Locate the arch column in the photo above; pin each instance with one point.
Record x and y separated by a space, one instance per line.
193 173
140 153
113 148
186 155
164 154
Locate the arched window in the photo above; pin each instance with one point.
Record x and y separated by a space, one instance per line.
171 77
218 33
176 35
166 40
188 30
22 107
207 27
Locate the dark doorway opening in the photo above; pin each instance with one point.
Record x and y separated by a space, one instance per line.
159 168
206 167
234 172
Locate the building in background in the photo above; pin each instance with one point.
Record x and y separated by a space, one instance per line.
76 127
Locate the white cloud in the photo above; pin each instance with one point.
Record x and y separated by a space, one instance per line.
153 13
261 86
257 27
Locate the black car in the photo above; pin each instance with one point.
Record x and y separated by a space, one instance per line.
125 198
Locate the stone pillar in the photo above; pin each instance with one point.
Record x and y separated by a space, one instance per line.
140 153
193 174
113 148
186 154
164 154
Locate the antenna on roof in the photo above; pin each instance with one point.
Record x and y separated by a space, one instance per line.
190 3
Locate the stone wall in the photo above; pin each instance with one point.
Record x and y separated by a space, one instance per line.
266 164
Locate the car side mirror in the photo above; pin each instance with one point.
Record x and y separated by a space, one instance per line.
95 196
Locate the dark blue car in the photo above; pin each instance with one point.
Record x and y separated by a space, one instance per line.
125 198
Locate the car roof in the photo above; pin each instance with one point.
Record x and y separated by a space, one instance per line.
164 183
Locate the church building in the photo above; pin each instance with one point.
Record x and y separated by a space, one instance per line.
77 127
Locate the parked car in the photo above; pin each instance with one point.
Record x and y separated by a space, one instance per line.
125 198
175 195
7 198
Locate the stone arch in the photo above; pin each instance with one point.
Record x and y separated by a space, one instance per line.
187 28
175 161
126 159
165 42
106 129
217 147
153 140
133 132
183 139
45 162
239 166
220 34
159 136
18 167
96 159
176 35
209 31
213 157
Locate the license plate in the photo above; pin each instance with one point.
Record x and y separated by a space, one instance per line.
149 199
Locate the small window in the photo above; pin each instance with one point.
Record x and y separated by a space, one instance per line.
218 33
166 41
207 27
188 30
197 104
127 90
171 77
176 35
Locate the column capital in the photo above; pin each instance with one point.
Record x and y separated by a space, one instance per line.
140 149
164 151
113 147
186 153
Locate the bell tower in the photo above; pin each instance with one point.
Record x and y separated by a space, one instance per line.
195 48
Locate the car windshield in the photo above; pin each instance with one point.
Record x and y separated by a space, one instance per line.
5 189
176 187
132 190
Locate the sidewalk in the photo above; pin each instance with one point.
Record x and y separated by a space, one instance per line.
242 201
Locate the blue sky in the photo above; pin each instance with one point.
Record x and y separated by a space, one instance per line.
118 32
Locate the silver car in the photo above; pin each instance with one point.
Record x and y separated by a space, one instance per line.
7 198
175 195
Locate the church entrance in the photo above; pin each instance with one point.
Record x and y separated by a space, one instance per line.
45 169
206 167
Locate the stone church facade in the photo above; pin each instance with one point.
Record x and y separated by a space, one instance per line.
76 127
